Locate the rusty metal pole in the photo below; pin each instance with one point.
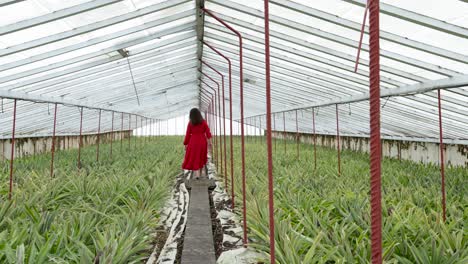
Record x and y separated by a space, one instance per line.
375 138
98 136
442 167
269 146
136 130
241 92
274 128
297 136
130 130
223 124
111 135
315 139
230 118
284 132
12 154
121 132
80 143
53 143
338 139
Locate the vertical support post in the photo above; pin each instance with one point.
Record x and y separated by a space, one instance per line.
241 92
98 136
111 135
121 132
80 143
136 130
297 136
274 128
442 165
53 143
284 132
375 140
269 147
360 39
224 113
338 139
12 157
315 139
130 130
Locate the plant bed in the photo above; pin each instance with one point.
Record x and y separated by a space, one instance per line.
105 212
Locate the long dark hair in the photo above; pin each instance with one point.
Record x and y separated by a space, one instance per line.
195 116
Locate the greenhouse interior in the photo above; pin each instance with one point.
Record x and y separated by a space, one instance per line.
234 131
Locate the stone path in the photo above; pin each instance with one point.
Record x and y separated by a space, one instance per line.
198 240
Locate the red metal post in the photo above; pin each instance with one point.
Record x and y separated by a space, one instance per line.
284 132
375 143
241 92
442 165
12 157
274 128
121 132
212 105
297 136
338 139
98 136
315 139
269 147
80 143
219 106
360 39
223 133
136 131
130 130
230 119
111 135
53 143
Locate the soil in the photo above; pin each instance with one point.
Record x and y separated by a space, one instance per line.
216 227
158 241
180 240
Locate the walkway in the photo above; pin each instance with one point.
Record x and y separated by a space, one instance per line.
198 241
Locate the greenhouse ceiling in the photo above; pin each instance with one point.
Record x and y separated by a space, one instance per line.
145 57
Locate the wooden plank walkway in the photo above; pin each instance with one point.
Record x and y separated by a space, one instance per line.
198 240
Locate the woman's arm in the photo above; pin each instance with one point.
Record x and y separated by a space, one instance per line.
207 132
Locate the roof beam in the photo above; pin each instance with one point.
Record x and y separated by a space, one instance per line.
417 19
91 27
312 46
9 2
179 38
58 100
448 83
59 14
303 9
336 38
108 37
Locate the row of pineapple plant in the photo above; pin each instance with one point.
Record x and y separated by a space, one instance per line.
105 212
324 217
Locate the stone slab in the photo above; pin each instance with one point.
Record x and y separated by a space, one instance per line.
198 240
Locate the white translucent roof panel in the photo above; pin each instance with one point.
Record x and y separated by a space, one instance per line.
313 52
141 57
130 56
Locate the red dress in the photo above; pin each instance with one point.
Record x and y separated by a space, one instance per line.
196 153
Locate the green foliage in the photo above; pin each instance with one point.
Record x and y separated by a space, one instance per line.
322 217
104 213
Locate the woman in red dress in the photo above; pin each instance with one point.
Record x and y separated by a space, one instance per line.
196 142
